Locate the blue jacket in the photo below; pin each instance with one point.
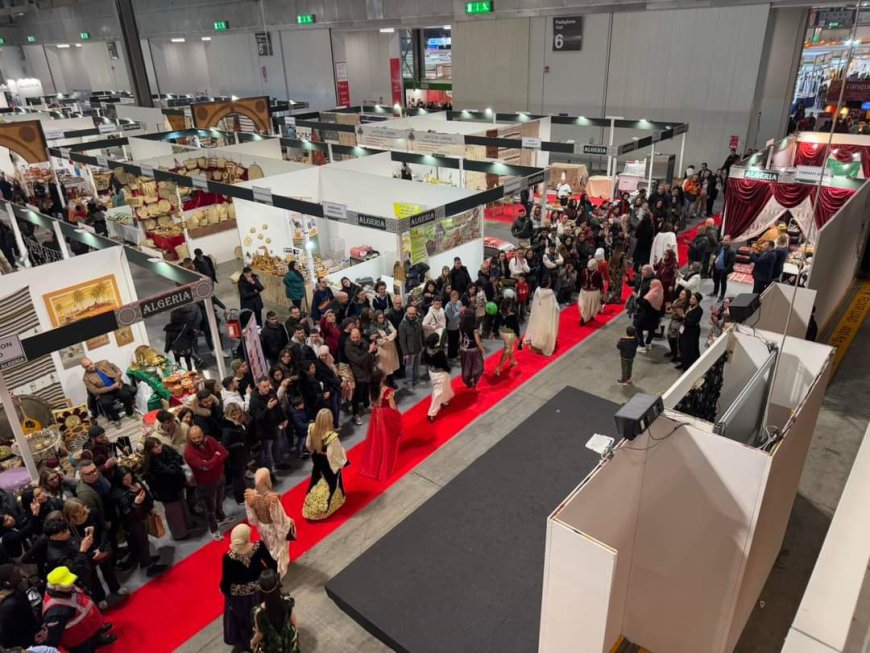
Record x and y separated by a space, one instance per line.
765 264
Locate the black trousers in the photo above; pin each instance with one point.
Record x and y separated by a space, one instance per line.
720 282
452 343
107 401
360 397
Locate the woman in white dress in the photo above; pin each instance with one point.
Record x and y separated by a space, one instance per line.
264 510
383 333
543 328
591 286
665 239
435 359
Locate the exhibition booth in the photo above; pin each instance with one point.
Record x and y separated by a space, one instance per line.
668 543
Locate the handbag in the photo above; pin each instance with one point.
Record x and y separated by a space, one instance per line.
154 525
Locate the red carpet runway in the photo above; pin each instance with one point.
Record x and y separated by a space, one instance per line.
187 598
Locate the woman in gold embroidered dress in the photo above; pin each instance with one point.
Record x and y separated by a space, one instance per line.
326 490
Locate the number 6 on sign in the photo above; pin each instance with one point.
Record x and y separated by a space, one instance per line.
558 42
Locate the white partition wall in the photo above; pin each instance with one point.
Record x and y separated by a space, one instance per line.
683 526
839 247
774 311
152 119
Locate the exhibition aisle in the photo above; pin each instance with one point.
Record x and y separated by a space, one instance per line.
193 580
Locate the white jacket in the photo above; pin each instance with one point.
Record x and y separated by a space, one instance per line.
435 321
518 265
661 243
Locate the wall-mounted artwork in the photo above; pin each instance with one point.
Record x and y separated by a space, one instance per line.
99 341
71 356
83 300
123 336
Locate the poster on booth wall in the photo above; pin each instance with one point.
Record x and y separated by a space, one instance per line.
342 84
254 350
396 80
403 210
438 237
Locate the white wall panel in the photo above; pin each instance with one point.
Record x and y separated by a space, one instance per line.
181 67
489 64
36 65
308 67
368 56
12 63
232 67
695 65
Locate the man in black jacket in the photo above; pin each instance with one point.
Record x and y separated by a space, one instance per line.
18 626
273 338
723 265
765 264
361 356
459 277
331 383
270 422
204 265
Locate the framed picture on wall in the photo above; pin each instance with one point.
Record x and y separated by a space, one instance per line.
83 300
123 336
70 356
96 343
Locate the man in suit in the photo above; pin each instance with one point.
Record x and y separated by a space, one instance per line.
723 265
762 271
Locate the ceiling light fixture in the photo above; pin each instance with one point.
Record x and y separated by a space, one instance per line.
63 45
181 40
205 38
387 30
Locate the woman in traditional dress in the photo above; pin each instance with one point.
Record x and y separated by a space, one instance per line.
507 325
543 328
274 619
326 490
242 566
384 432
649 312
604 269
470 348
591 284
666 272
264 510
436 362
690 333
616 271
384 334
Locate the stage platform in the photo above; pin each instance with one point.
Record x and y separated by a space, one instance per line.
464 572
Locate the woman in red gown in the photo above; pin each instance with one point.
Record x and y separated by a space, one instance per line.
385 429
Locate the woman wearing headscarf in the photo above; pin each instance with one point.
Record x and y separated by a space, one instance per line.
435 360
326 489
644 234
666 272
591 285
274 619
690 333
542 330
649 311
264 510
242 566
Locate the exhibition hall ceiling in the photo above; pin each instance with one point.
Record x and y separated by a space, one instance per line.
57 20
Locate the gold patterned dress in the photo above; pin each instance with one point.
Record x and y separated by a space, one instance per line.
326 490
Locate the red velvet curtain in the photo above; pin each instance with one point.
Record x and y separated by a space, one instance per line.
790 195
744 201
809 154
831 200
846 154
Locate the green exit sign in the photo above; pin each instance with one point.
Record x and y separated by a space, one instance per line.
482 7
221 26
85 36
31 38
2 41
305 19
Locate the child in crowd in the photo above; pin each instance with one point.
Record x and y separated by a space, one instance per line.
522 289
298 427
627 346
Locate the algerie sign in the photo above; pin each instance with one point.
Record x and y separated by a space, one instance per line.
761 175
11 351
600 150
166 302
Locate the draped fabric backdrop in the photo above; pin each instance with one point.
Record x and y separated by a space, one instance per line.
743 202
751 206
813 154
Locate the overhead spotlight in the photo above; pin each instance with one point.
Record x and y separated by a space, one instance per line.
205 38
63 45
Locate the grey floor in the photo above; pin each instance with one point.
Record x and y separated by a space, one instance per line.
591 366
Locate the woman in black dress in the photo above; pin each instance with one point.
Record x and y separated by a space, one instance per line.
164 473
242 566
436 361
507 326
470 348
326 489
644 234
690 334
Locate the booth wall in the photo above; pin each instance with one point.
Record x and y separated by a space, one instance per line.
62 274
471 254
696 509
143 149
37 66
827 613
617 485
180 67
151 119
775 302
221 246
308 67
747 356
781 484
251 216
839 248
12 62
269 148
578 576
367 54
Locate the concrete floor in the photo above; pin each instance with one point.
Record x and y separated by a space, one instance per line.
592 366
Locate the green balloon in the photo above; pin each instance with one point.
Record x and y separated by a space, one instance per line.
491 308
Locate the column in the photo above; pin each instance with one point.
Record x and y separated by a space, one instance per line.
133 51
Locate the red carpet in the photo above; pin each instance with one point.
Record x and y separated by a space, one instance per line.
187 598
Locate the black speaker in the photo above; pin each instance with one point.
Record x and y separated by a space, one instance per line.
744 305
635 415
